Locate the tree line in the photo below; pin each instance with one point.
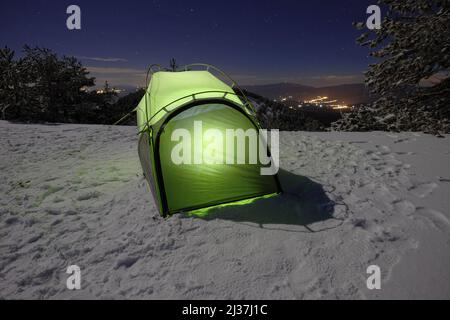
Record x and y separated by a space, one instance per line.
42 87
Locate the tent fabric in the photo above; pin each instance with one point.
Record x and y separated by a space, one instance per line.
173 89
179 100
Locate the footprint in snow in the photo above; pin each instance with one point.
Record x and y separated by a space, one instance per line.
89 196
424 189
438 219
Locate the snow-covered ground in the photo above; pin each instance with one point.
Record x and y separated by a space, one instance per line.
74 194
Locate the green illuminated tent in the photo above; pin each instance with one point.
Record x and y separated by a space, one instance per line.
182 100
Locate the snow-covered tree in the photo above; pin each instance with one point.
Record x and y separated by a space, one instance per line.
411 79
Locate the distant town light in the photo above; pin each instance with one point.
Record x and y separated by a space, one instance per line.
339 107
114 90
325 102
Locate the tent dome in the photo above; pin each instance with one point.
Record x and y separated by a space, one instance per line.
195 102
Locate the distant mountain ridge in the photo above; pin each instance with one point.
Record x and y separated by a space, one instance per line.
349 93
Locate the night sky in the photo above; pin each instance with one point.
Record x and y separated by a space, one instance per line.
257 42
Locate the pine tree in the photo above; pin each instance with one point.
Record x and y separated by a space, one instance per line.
40 86
173 65
413 46
7 70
